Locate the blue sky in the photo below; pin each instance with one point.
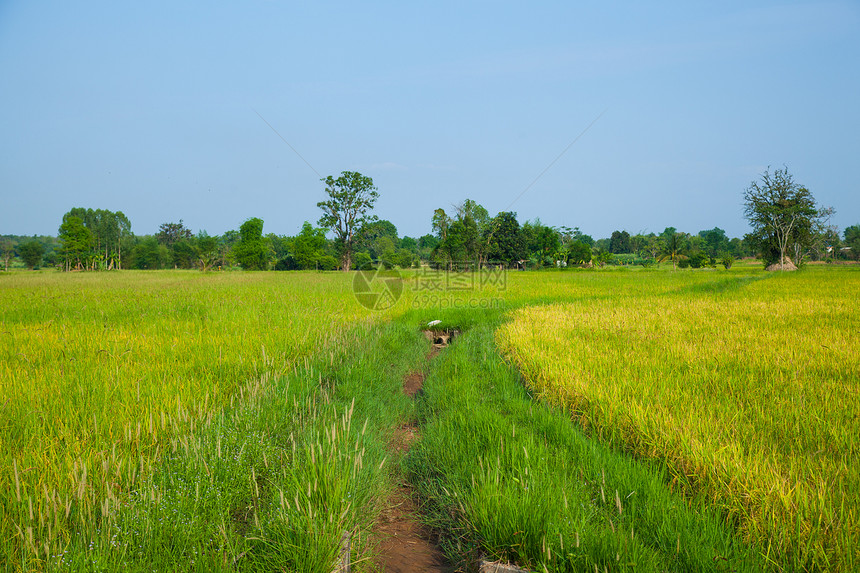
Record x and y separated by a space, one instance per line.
151 109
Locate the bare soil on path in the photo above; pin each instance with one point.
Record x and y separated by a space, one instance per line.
407 545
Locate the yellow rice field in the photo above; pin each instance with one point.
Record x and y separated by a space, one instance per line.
748 388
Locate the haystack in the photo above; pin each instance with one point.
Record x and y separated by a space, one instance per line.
787 265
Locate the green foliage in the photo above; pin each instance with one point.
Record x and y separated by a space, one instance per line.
109 232
7 251
461 240
207 250
327 263
351 198
714 241
169 233
183 254
252 251
540 241
602 257
148 254
76 243
308 247
619 242
363 260
403 259
31 253
782 214
698 260
672 246
852 241
505 243
481 217
727 261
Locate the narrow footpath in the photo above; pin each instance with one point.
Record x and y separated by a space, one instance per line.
407 546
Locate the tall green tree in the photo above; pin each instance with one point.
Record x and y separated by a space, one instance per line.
183 253
652 246
461 243
851 235
170 233
540 241
714 242
76 242
109 231
506 242
578 253
461 238
440 223
149 254
351 198
477 214
673 245
31 253
782 214
252 251
379 239
619 242
7 251
308 247
207 250
180 241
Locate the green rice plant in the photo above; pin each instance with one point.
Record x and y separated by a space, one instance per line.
271 481
508 478
101 374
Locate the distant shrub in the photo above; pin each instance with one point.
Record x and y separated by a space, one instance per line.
624 259
698 260
362 260
288 263
579 253
327 263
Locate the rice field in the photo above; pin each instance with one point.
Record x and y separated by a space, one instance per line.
744 386
101 374
620 419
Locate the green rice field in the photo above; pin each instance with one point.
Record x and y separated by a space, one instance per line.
583 420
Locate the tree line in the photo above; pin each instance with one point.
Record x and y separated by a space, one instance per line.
786 224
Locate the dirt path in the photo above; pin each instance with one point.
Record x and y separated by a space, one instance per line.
407 546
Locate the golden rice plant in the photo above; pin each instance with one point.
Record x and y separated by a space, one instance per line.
746 389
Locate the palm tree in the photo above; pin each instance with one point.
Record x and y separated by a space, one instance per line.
673 245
